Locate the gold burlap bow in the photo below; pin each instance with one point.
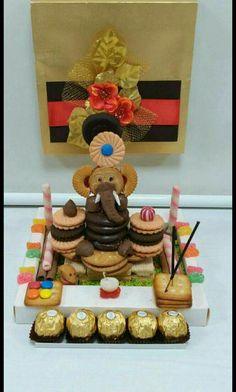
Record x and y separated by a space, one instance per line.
106 62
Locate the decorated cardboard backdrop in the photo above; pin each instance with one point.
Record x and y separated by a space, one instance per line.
158 36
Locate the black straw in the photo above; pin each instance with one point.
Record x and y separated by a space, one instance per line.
173 249
182 254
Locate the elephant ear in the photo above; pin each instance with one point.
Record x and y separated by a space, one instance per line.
80 180
130 178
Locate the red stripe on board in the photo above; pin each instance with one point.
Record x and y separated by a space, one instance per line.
167 111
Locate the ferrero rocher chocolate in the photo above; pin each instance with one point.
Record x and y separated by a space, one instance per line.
172 325
142 325
49 323
81 324
111 325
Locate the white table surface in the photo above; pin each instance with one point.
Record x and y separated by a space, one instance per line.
205 365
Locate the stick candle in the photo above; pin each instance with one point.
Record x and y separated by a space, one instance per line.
182 254
173 250
174 205
47 204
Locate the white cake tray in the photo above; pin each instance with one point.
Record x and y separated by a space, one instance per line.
149 346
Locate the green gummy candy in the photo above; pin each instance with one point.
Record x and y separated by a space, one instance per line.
196 277
33 253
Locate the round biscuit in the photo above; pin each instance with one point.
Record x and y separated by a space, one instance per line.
147 249
156 224
63 221
65 246
112 268
103 258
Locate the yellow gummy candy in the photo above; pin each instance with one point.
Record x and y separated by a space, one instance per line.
184 230
27 269
38 221
45 293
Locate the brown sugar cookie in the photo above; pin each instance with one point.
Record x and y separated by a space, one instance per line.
107 269
103 258
156 224
60 220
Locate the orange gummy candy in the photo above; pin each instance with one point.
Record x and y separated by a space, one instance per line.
33 293
33 245
38 228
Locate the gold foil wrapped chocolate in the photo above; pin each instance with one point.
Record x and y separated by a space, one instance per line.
172 324
49 323
81 323
111 324
142 325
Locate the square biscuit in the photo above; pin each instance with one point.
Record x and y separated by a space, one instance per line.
54 300
173 305
178 290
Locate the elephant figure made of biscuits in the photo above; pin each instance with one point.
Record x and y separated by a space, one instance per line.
105 187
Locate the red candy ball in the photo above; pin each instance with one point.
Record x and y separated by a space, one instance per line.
147 214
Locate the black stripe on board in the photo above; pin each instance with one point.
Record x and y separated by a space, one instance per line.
164 89
157 133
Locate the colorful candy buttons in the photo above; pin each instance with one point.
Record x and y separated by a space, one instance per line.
45 293
34 285
46 284
33 293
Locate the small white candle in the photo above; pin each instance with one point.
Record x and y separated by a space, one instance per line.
109 284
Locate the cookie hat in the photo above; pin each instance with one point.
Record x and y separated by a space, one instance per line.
102 132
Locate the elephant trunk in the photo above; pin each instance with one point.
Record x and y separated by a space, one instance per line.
108 201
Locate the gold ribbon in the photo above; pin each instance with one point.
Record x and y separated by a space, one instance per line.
76 119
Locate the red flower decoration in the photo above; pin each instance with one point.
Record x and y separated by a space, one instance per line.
103 96
124 111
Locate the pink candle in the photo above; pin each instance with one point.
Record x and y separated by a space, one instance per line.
47 204
174 205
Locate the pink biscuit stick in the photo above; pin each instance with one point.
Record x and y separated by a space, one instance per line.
174 205
47 204
168 251
48 255
47 261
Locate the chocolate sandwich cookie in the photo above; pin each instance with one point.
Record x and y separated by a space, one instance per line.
105 239
142 239
101 220
107 230
106 247
66 235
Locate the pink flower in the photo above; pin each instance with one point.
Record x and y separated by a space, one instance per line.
103 96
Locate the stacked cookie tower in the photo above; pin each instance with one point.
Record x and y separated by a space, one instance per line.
146 233
67 230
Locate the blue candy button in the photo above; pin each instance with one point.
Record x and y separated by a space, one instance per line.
107 150
46 284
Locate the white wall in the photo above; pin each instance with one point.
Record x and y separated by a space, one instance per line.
204 168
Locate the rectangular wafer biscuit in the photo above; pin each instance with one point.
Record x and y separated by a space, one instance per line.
180 290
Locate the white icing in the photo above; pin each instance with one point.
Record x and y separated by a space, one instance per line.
111 315
81 315
141 313
52 313
173 313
